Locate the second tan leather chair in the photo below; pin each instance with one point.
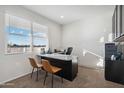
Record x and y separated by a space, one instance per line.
50 69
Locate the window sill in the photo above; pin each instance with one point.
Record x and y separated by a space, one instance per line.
20 53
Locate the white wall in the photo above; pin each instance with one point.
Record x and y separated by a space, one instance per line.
13 66
85 34
82 34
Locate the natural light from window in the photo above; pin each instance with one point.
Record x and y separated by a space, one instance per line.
21 37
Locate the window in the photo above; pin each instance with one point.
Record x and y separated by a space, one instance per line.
24 36
18 35
40 37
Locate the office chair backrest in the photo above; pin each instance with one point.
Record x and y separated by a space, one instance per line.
47 66
32 62
69 50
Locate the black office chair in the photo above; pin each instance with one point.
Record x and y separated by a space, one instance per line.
69 50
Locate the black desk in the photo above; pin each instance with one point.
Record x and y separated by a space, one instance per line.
68 64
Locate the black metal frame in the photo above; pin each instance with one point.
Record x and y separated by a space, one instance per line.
51 79
33 72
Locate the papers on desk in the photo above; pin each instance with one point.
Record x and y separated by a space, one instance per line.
60 56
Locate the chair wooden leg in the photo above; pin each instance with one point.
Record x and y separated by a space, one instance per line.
37 75
32 72
45 78
52 80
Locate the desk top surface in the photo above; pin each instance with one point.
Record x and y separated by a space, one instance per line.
59 56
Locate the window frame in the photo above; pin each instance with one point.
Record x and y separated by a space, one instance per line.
47 37
31 38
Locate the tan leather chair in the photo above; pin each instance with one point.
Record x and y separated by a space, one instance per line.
50 69
35 65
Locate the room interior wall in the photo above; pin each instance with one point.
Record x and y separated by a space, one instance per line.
88 36
84 34
16 65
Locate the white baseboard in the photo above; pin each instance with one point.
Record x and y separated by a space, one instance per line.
14 78
91 67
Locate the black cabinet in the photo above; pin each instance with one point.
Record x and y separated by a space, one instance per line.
114 71
110 49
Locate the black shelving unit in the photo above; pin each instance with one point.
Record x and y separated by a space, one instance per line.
114 70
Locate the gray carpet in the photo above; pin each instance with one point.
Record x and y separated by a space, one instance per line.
86 78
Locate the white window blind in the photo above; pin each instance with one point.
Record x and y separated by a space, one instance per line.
18 34
40 37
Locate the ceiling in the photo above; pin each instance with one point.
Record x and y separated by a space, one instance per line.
71 12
